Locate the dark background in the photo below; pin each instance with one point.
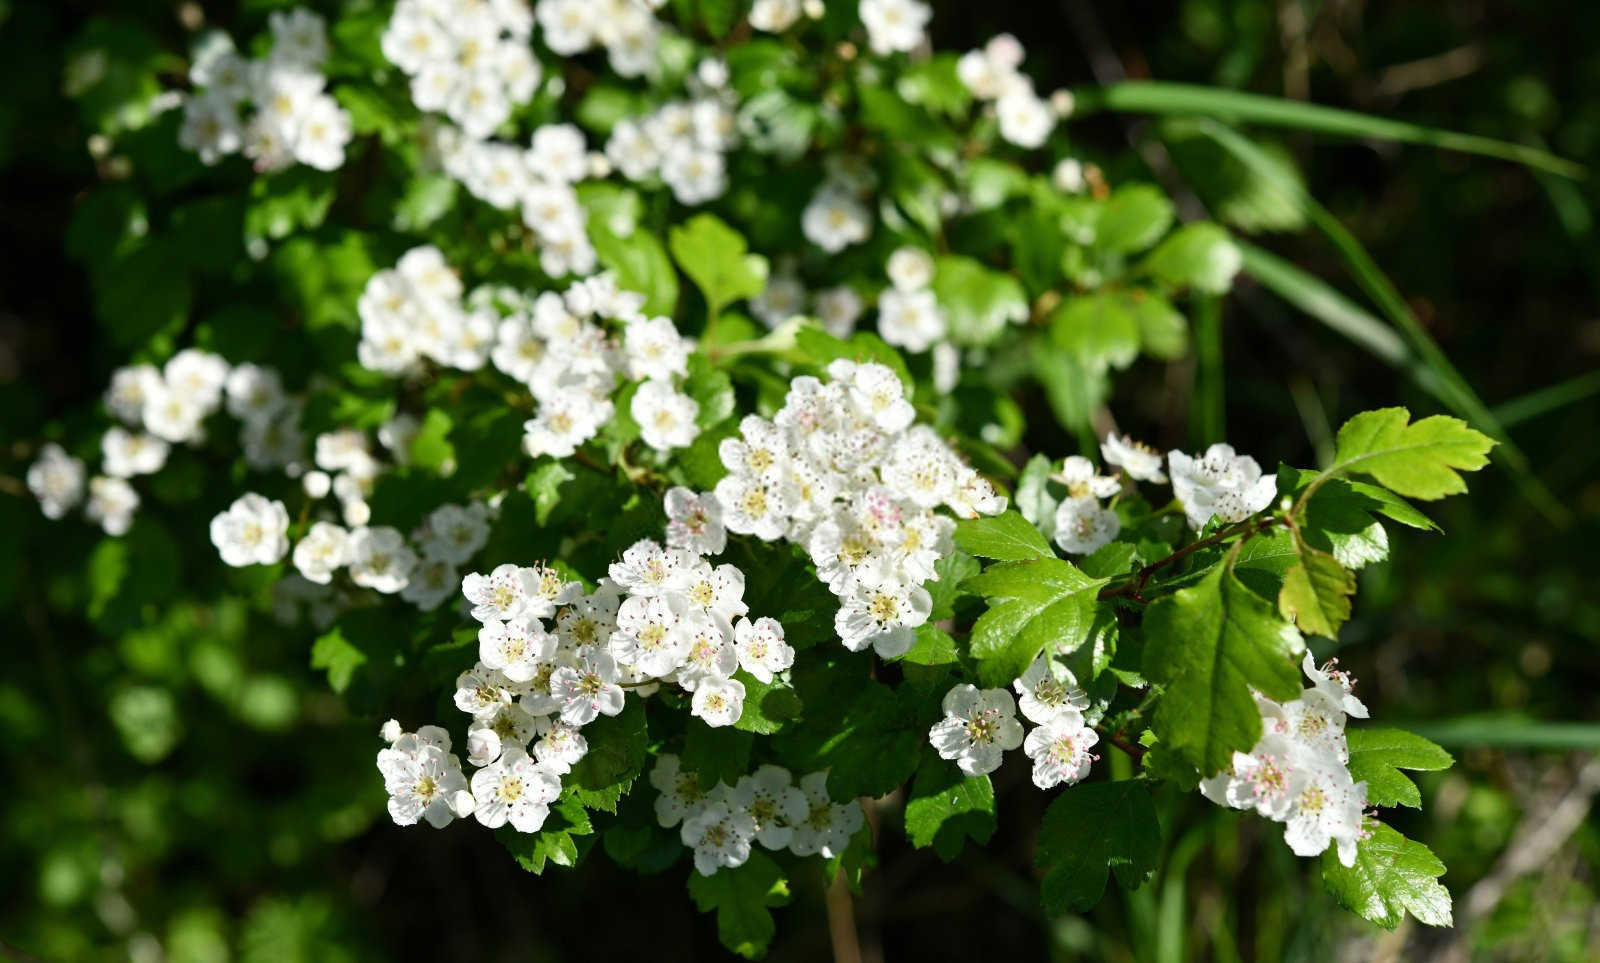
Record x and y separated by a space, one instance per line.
253 834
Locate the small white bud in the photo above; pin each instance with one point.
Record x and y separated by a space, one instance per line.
390 731
317 483
357 513
1062 103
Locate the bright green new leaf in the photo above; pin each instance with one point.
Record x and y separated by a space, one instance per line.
1007 537
1211 644
1033 604
1033 498
1419 460
1200 256
718 261
641 266
554 842
1316 591
978 302
1100 330
1378 755
1092 827
1134 218
742 898
1392 876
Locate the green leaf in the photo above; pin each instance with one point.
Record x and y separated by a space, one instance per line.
1392 876
768 706
1378 755
1316 591
641 265
554 842
1163 332
1100 330
820 348
1200 256
1211 644
1033 498
334 652
543 484
934 646
716 754
1155 97
1034 604
615 758
717 259
951 572
1089 828
978 302
1134 218
945 808
1235 192
742 898
1007 537
1419 460
431 449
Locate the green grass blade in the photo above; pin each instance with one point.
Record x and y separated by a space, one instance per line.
1456 392
1155 97
1548 399
1502 732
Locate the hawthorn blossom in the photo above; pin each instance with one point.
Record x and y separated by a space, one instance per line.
514 789
253 531
1139 460
694 522
979 725
587 689
56 480
1059 749
1220 483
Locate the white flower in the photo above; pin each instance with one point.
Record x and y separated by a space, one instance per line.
1025 120
878 391
565 420
505 593
771 798
1083 525
424 782
514 789
558 153
834 220
1059 749
1046 690
694 522
172 414
978 727
648 637
515 648
719 702
299 37
1337 685
910 269
431 582
827 826
483 692
380 559
253 531
1326 810
1139 460
456 533
680 792
56 480
211 127
646 569
709 652
1067 176
655 350
783 297
1220 483
910 319
694 174
588 688
665 416
1078 475
720 836
715 591
510 726
761 649
130 386
839 308
323 132
324 549
112 502
1266 779
774 16
883 612
894 24
560 745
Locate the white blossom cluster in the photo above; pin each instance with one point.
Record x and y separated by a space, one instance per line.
552 657
841 471
895 25
291 118
627 29
538 181
468 59
908 313
1298 774
1219 484
980 725
682 142
768 806
158 408
992 74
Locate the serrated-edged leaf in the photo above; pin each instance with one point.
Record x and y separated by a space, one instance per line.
1033 498
742 898
1007 537
717 259
1163 332
768 706
716 754
1092 827
945 808
1316 591
1212 645
1134 218
1200 256
951 572
1392 876
1045 602
934 646
1418 460
554 842
1099 330
615 758
1378 755
978 302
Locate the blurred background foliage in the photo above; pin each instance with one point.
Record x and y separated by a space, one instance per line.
183 785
